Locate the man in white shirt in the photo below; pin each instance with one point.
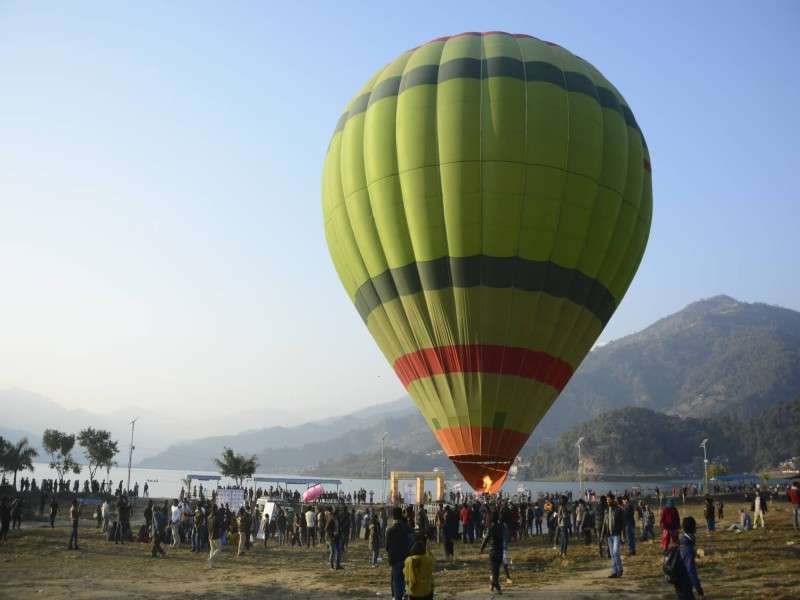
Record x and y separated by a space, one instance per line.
105 513
175 524
311 520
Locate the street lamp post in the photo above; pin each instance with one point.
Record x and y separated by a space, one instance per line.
383 467
130 454
704 446
580 464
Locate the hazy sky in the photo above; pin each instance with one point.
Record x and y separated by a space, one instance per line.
161 238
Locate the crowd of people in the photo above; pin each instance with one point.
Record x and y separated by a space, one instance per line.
74 487
272 516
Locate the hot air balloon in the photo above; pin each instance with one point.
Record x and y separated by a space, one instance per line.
487 201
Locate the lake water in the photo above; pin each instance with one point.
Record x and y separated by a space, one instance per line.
168 482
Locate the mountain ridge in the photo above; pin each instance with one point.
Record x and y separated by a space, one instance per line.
688 353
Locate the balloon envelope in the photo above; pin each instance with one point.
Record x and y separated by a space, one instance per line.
487 201
312 493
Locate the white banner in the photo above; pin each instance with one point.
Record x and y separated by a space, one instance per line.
234 498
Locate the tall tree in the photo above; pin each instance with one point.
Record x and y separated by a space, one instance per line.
237 466
5 448
19 457
99 449
58 446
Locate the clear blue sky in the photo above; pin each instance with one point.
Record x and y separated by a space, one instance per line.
160 234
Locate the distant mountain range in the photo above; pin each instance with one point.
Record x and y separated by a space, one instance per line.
716 357
27 414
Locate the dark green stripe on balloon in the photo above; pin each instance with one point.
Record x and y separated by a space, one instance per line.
490 271
498 66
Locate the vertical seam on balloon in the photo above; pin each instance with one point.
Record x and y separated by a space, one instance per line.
355 239
428 327
399 333
424 400
646 233
588 322
452 338
643 243
502 435
442 384
612 278
568 336
555 54
346 264
479 375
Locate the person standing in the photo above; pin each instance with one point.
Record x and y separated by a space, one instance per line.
214 521
613 522
311 523
438 521
280 521
16 513
159 523
629 518
243 525
333 532
175 524
5 519
494 539
464 515
397 547
302 524
687 578
265 525
563 518
709 513
759 507
793 494
450 533
74 517
538 514
580 517
105 513
197 524
670 523
418 571
53 511
374 533
148 515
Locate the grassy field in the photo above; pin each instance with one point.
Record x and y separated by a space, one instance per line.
36 564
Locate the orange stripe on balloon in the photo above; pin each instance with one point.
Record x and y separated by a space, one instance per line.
483 358
492 442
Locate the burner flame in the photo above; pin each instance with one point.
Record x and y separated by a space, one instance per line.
487 484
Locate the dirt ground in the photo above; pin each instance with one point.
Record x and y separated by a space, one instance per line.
35 563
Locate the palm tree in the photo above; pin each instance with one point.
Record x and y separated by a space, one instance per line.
238 466
19 457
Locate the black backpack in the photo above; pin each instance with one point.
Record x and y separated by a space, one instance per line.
673 565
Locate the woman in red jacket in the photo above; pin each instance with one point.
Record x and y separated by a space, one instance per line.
670 522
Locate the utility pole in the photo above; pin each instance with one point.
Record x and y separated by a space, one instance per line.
580 464
383 467
130 453
704 446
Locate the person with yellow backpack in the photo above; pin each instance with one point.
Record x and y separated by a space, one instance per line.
418 571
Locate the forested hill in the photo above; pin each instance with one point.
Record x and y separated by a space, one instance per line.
641 441
716 356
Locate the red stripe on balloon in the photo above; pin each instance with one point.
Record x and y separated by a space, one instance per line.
483 358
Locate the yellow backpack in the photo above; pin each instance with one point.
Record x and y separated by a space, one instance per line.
418 572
